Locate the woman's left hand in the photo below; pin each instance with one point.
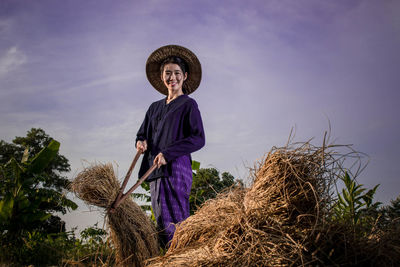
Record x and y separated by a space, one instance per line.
159 160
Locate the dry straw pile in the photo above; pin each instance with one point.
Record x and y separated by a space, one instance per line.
133 234
282 220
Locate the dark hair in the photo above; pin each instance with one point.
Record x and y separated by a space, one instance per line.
174 60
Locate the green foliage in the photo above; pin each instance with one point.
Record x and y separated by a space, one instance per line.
388 216
355 204
195 165
93 239
34 248
92 248
30 145
29 233
24 204
145 198
41 249
43 158
207 183
31 185
392 211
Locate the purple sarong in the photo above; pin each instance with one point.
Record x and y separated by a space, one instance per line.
170 197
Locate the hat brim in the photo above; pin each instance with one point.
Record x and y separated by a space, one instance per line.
156 58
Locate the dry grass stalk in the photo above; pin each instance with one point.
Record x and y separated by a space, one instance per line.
282 220
133 234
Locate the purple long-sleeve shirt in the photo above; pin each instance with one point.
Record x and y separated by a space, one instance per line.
175 129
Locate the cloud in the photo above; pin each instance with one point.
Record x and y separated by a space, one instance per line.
5 26
11 60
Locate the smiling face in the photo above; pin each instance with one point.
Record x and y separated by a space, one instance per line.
173 78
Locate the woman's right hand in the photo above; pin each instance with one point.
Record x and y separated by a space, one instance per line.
141 146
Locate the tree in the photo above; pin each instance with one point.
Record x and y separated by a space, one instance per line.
388 216
207 183
35 140
26 205
393 210
35 191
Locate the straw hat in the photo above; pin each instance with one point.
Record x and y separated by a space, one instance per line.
156 58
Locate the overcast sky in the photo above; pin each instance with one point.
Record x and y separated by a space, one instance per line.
77 70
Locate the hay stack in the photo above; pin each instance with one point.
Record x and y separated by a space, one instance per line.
280 221
133 234
286 185
263 225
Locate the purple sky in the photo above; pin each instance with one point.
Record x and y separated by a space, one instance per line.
77 70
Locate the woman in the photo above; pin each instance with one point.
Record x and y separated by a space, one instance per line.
171 130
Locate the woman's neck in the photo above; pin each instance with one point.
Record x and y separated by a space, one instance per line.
173 95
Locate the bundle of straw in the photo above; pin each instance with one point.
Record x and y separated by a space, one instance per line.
133 234
280 221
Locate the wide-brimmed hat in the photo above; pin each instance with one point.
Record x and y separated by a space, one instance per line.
156 58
